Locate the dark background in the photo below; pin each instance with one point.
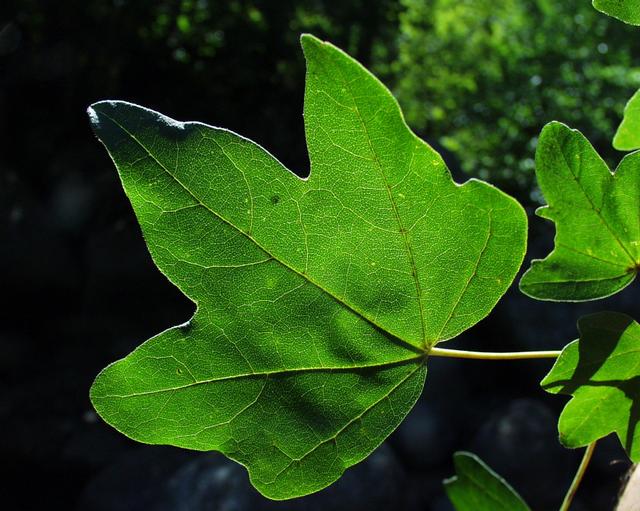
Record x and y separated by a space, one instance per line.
476 79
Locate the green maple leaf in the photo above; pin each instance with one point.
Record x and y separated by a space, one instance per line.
601 371
318 300
627 137
624 10
476 487
597 217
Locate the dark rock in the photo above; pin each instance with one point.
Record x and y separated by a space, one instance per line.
136 481
94 445
378 483
208 483
425 489
72 201
520 442
442 504
426 438
167 479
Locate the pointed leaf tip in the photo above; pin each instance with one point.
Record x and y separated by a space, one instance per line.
99 113
307 38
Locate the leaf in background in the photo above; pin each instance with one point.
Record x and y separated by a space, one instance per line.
317 300
597 217
628 135
476 487
625 10
601 371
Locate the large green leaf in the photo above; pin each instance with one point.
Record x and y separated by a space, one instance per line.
597 217
625 10
476 487
627 137
601 371
317 300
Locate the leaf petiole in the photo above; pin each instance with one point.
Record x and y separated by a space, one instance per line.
586 458
493 355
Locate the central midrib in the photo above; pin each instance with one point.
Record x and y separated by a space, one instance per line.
401 229
407 344
267 374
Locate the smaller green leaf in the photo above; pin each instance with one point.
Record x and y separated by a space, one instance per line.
476 487
628 135
596 212
624 10
601 371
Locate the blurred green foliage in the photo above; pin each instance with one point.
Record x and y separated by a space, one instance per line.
477 77
482 77
235 63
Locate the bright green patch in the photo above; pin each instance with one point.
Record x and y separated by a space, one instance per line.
601 371
597 217
476 487
624 10
317 299
628 135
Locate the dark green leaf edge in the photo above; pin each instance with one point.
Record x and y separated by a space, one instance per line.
466 464
561 379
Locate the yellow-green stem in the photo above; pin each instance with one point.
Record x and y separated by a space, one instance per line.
492 355
578 477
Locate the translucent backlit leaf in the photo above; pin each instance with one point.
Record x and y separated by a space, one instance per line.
317 299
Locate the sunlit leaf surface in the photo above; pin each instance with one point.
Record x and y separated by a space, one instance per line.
317 300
